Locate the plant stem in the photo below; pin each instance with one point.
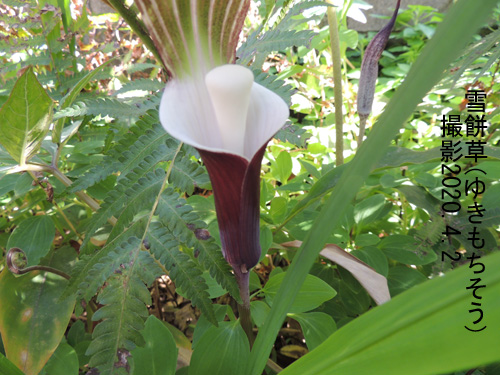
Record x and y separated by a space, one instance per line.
65 180
362 126
337 83
243 280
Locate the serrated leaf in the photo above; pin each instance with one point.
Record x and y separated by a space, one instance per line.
101 107
182 269
187 175
84 281
143 146
118 200
124 299
26 117
70 98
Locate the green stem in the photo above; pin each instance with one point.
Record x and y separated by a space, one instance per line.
337 83
362 126
65 180
135 24
243 280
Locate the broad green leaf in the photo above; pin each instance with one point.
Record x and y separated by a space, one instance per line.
7 367
312 294
26 117
401 278
278 209
221 350
23 185
446 45
203 324
32 318
407 250
159 356
374 258
259 311
368 210
316 326
366 239
491 197
283 168
64 361
417 332
34 236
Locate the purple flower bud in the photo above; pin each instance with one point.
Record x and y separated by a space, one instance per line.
369 66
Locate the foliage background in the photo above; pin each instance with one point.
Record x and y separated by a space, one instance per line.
113 149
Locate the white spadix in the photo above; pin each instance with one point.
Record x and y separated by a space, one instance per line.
229 87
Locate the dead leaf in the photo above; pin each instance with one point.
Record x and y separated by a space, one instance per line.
373 282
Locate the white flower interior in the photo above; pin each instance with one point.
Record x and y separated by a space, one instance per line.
229 87
224 111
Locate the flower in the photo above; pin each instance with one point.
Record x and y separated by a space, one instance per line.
369 66
217 108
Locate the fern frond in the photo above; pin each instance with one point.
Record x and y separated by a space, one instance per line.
277 85
141 67
183 223
101 106
142 144
141 84
182 269
187 174
119 198
281 36
211 258
124 311
275 40
293 134
431 232
178 217
87 277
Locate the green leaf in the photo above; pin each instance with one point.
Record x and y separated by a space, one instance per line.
278 209
34 236
26 117
159 355
373 257
446 45
312 294
7 367
70 98
283 168
407 250
316 326
124 301
426 320
64 361
186 274
30 326
401 278
221 350
259 311
369 209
